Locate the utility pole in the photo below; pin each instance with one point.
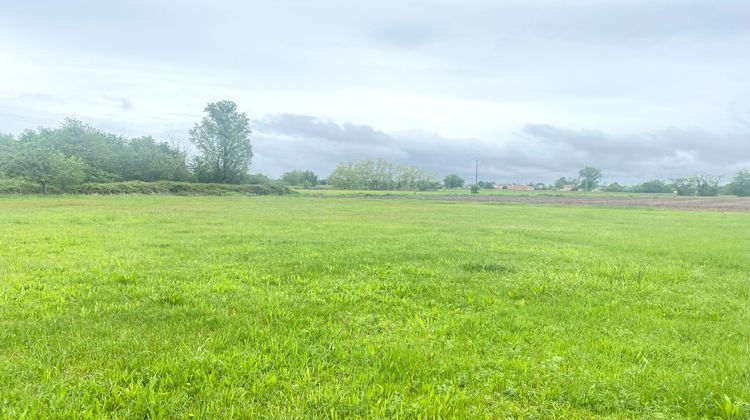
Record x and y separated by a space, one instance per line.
476 173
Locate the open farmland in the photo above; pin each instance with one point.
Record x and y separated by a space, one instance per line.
597 199
149 306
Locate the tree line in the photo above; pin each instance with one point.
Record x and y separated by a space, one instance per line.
704 185
76 153
380 175
589 179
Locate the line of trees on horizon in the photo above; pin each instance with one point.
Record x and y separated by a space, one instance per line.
382 175
75 153
701 184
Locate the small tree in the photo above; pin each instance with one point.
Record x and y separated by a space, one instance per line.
223 140
47 167
589 178
453 181
740 185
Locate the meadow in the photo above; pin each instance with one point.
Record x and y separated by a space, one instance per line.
302 306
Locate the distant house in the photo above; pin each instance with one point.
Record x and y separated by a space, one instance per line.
514 187
568 187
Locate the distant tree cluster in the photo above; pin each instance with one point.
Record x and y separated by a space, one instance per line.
76 153
654 186
700 185
380 175
563 181
304 179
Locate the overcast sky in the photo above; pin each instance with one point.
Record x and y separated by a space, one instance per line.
535 89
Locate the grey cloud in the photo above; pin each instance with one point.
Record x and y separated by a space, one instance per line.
538 152
316 128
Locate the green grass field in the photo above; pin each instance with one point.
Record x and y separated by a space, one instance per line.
162 306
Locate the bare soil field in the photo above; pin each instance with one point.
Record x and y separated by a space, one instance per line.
720 204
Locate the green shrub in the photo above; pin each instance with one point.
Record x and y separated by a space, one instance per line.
19 186
179 188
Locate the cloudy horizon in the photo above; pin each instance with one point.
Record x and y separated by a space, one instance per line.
533 89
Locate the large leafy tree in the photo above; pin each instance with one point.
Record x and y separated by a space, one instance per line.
589 178
223 140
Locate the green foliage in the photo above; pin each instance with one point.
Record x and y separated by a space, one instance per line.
654 186
147 160
380 175
105 157
740 184
179 188
46 167
474 189
729 409
453 181
101 153
613 187
223 141
589 178
488 185
303 307
257 179
562 182
8 148
300 178
702 185
18 186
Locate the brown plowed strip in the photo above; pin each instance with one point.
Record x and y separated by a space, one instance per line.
721 204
